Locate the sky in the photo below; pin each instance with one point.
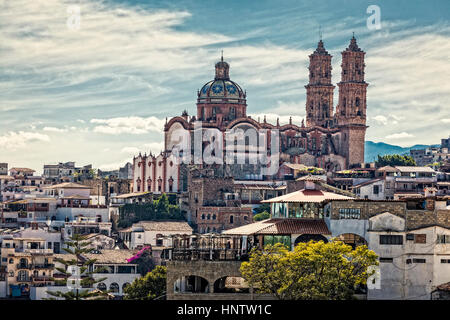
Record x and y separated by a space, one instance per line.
97 90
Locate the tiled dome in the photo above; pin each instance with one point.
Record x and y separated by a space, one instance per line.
221 89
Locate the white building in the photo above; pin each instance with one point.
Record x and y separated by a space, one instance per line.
412 263
113 266
153 233
372 189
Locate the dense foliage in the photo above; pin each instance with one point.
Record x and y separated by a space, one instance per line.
263 207
159 209
394 160
261 216
151 286
313 271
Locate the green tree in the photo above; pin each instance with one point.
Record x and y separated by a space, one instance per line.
159 209
312 271
77 247
263 207
394 160
261 216
150 287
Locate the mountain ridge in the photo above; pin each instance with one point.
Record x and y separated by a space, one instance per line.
373 149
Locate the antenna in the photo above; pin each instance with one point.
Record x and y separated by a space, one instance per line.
320 32
222 56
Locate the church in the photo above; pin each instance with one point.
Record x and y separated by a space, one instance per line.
332 139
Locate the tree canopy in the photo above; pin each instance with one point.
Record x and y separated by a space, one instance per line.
261 216
395 160
150 287
159 209
312 271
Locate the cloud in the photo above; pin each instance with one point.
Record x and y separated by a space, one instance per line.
272 118
113 165
446 120
154 147
130 150
129 125
401 135
381 119
16 140
53 129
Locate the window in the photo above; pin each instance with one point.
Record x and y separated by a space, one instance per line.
386 259
49 245
445 260
231 219
376 189
114 287
349 213
101 286
420 238
159 242
419 261
443 238
286 240
391 239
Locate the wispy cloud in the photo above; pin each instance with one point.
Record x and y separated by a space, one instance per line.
401 135
131 125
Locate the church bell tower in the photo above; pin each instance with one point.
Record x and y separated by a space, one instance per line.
319 91
351 110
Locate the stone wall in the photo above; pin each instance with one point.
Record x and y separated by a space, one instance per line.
369 208
241 216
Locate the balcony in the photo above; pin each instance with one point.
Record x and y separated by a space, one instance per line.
43 266
23 266
42 278
23 279
35 251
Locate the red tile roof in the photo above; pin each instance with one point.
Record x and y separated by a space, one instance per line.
282 226
296 226
307 195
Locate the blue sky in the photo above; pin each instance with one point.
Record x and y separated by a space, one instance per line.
101 93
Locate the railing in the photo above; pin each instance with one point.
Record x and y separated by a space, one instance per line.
43 266
34 251
84 206
207 254
42 278
24 279
23 266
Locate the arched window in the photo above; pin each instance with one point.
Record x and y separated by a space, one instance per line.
214 216
124 286
203 216
22 275
209 216
23 263
357 102
114 287
101 286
